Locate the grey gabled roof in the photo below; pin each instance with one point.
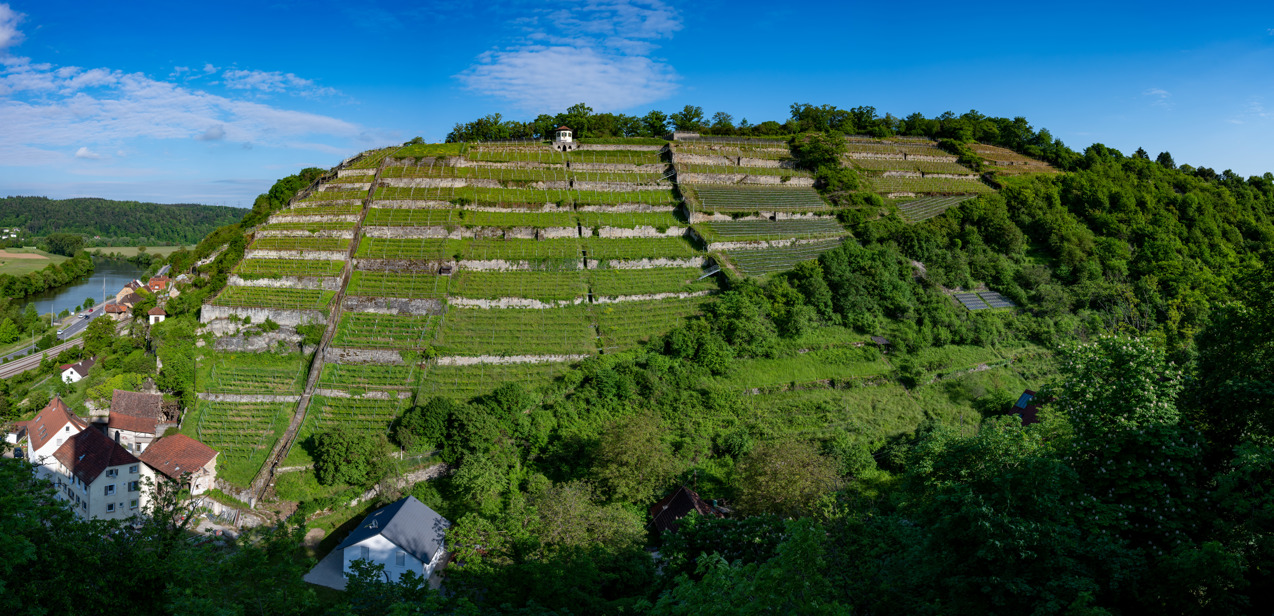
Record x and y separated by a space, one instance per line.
408 523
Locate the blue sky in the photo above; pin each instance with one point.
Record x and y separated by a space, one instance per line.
170 102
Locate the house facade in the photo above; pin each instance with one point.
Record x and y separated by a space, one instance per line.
181 458
404 536
74 373
99 478
136 419
51 428
156 315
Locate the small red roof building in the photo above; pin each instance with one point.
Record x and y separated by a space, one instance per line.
158 283
135 412
178 454
667 513
115 309
157 311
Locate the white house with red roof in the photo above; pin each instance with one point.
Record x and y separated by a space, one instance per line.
74 373
179 456
136 419
156 315
51 428
99 478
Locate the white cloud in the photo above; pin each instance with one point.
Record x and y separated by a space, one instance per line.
47 108
9 33
209 68
599 54
266 81
87 154
1159 97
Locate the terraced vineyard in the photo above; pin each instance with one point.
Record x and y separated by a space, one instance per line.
369 376
928 185
751 199
269 297
735 169
275 268
777 259
242 432
464 382
369 330
410 285
925 208
624 325
252 373
621 282
545 286
512 331
303 244
743 230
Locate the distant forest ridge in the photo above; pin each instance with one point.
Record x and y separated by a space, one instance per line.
154 223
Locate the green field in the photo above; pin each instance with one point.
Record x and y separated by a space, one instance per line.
356 414
361 377
542 286
464 382
251 373
615 282
384 331
274 268
624 325
132 251
267 297
396 284
23 261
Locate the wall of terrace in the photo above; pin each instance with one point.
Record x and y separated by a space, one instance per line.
290 318
341 233
393 305
312 255
344 173
619 186
508 359
639 231
618 167
399 265
246 398
370 395
458 232
696 217
616 299
512 302
327 283
295 216
300 206
626 147
631 264
743 178
361 356
406 204
763 244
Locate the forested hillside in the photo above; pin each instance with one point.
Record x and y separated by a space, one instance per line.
132 222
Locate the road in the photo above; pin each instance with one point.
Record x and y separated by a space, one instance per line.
33 361
69 331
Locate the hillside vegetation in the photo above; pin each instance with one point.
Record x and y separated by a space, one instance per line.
116 223
578 333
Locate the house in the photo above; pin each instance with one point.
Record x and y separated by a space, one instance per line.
563 139
156 315
158 283
666 514
130 300
73 373
179 455
404 536
115 311
99 478
128 288
881 342
1029 413
136 419
51 428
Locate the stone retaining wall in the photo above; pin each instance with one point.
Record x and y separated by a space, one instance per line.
631 264
361 356
311 255
697 217
626 208
344 173
459 232
625 147
508 359
511 302
291 216
616 299
639 231
761 244
399 265
413 204
371 395
743 178
620 186
619 167
341 233
326 283
243 398
392 305
290 318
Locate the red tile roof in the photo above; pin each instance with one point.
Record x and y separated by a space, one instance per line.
115 308
50 421
177 454
135 412
89 453
157 310
682 502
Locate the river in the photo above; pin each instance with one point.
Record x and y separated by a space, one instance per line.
114 273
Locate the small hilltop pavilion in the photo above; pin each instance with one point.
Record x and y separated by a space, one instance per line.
564 139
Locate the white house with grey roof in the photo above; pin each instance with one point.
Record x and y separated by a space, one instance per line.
404 536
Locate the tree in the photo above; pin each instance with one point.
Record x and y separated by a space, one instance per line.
99 335
424 426
9 332
816 151
690 118
65 244
1165 159
89 303
1115 384
784 478
632 462
655 124
353 458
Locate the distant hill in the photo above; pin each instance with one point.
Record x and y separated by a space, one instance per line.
153 223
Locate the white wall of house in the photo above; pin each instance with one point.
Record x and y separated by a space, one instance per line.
44 455
116 494
378 549
71 376
156 318
134 442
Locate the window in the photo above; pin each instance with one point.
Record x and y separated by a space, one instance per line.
66 429
84 505
112 472
132 486
110 507
133 469
400 559
132 504
59 442
364 552
110 489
